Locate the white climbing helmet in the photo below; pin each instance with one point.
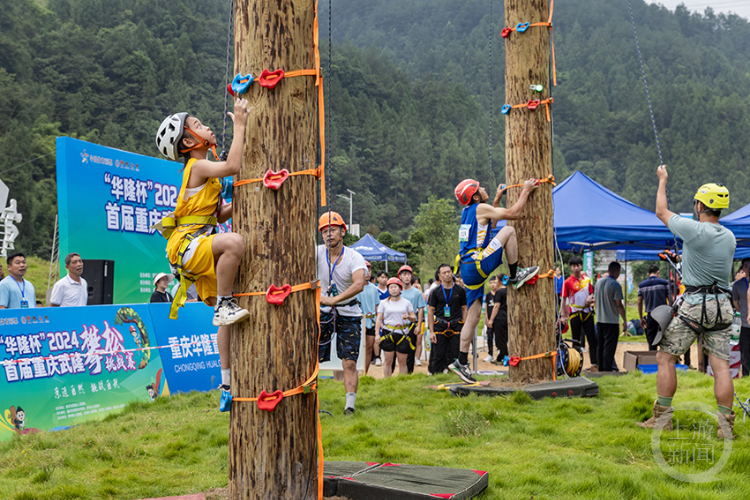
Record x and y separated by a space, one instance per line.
170 134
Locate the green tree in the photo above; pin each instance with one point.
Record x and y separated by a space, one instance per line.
437 224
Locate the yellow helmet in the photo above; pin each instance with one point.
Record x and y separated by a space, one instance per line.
713 196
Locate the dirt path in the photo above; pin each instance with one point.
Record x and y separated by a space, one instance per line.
377 371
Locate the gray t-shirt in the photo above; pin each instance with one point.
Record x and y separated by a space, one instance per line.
607 292
739 294
707 251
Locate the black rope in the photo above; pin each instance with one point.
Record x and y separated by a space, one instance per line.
492 88
645 84
223 154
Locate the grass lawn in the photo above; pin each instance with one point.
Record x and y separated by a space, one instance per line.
554 448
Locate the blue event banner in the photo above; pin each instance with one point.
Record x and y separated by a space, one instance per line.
65 365
192 360
107 201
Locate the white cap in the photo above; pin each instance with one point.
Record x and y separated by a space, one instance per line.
162 275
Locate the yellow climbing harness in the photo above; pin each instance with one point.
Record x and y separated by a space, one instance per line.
477 261
169 223
403 335
166 227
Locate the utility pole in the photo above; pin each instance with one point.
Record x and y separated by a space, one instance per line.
528 154
273 454
350 198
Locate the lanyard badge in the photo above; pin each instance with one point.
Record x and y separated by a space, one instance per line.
447 308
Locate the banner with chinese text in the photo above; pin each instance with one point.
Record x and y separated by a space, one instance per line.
107 200
191 363
65 365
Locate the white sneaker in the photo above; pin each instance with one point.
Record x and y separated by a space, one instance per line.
228 312
489 359
417 362
378 362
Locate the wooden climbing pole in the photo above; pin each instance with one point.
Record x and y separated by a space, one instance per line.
273 454
528 154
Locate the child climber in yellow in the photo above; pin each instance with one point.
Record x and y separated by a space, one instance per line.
202 257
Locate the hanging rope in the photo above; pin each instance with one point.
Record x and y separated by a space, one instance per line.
327 165
223 154
492 87
648 99
645 83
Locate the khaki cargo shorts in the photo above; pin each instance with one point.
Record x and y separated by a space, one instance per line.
679 337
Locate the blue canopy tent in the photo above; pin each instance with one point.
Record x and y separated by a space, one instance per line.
739 223
589 216
372 249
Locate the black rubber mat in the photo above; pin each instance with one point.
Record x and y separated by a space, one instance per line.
333 471
411 482
562 388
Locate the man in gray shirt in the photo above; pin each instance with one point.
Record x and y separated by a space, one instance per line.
608 298
707 254
739 298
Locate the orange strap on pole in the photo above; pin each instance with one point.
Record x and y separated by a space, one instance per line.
266 400
283 174
514 360
531 104
269 402
505 33
270 77
276 295
550 179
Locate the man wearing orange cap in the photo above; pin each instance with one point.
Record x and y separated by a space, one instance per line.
480 255
341 272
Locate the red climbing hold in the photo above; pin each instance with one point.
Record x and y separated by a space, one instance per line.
269 79
268 402
276 296
230 90
533 104
506 32
274 180
514 360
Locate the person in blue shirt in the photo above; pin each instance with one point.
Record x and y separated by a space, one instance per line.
382 288
413 295
480 254
558 288
369 298
15 291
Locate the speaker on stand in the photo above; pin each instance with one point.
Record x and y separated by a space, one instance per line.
100 276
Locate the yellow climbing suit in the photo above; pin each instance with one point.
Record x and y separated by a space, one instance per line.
194 220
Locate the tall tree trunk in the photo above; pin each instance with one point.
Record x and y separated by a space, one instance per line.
273 454
528 154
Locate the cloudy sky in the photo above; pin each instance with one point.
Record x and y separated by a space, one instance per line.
739 7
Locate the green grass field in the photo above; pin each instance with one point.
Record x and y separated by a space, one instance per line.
553 448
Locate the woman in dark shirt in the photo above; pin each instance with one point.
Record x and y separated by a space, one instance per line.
161 282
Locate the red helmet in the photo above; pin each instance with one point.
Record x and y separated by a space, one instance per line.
395 281
405 268
330 219
465 190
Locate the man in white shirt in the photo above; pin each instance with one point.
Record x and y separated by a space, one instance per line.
341 272
72 290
